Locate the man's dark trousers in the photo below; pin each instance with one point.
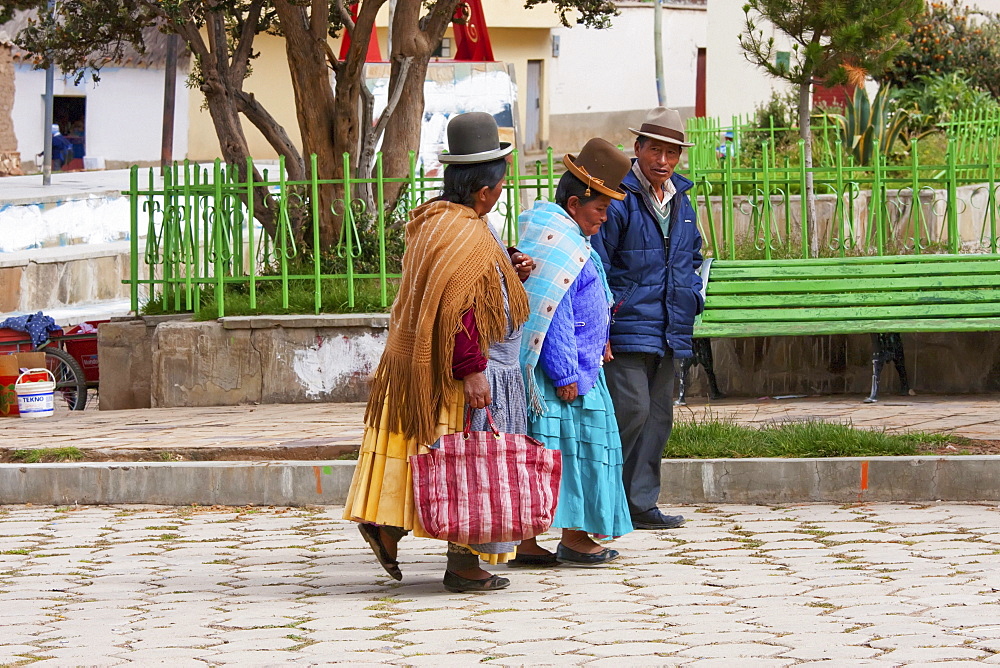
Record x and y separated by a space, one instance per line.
642 390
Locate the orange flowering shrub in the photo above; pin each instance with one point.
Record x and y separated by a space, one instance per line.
949 38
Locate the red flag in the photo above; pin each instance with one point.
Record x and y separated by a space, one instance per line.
373 55
472 40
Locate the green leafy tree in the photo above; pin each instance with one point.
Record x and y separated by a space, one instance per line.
949 37
833 41
81 36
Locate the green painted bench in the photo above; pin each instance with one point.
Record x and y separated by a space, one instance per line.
882 296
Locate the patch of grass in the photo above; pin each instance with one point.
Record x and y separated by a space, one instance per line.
348 456
725 438
18 551
334 298
44 455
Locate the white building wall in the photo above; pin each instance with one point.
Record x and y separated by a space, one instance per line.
603 80
124 111
735 87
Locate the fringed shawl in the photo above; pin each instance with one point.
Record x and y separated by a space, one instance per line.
560 251
451 263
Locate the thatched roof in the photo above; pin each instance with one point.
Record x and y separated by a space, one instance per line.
154 41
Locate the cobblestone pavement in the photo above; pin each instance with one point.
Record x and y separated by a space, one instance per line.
322 425
868 584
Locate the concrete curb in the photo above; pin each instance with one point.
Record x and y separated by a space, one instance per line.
298 483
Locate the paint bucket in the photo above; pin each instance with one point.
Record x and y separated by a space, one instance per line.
35 397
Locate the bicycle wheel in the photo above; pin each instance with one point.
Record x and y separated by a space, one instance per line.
71 384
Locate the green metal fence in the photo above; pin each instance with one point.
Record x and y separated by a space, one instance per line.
203 244
751 207
204 248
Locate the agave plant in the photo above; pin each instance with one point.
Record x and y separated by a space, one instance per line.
867 123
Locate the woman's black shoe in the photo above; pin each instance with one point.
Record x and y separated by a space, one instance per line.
457 584
373 537
547 559
565 555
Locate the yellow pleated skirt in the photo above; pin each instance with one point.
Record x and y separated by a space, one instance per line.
382 487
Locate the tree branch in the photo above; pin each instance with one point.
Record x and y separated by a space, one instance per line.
244 48
273 132
346 16
397 92
319 19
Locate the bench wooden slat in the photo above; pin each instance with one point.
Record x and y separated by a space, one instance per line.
714 302
894 313
877 259
842 285
794 271
737 330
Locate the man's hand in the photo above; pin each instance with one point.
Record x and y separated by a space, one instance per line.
568 393
607 352
477 390
523 264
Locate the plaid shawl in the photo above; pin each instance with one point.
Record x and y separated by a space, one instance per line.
559 249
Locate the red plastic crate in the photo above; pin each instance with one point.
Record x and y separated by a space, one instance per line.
84 351
7 338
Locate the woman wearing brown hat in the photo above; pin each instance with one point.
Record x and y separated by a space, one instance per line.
563 349
456 277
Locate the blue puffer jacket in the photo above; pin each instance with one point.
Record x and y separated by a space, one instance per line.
657 290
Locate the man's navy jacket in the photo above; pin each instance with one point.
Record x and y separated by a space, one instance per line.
657 292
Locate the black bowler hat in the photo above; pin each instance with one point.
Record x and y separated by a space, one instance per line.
473 138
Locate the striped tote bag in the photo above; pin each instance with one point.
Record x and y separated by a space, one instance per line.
486 486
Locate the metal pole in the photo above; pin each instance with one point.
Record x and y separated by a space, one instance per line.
47 160
50 74
169 95
661 92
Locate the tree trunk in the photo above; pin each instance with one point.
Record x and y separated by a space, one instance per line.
305 45
413 44
232 142
809 196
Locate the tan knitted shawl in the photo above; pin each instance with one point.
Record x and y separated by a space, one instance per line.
450 264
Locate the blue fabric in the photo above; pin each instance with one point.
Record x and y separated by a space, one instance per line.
574 346
657 291
37 325
591 492
560 251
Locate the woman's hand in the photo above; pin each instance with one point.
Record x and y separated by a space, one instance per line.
523 264
477 390
567 393
607 352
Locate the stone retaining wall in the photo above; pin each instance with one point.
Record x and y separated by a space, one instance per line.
47 278
238 360
173 361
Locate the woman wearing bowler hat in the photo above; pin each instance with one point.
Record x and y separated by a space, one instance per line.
563 349
454 338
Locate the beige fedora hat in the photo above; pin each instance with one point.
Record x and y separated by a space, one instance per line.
601 166
663 124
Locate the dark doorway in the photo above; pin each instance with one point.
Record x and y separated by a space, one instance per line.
70 114
699 83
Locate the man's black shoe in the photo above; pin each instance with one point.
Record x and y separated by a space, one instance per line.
654 519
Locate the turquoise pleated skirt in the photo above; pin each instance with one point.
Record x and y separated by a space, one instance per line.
591 494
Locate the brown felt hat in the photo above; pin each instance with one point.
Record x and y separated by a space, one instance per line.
663 124
601 166
473 138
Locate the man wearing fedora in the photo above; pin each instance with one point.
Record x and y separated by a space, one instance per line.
651 249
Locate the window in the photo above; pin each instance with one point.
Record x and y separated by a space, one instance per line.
444 50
